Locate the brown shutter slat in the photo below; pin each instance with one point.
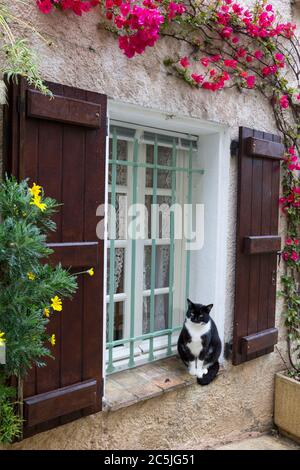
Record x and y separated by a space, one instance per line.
264 148
65 400
63 149
257 244
259 341
262 244
85 254
63 109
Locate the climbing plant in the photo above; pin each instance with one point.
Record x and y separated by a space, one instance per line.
225 45
17 57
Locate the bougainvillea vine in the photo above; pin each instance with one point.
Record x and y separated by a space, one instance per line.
225 44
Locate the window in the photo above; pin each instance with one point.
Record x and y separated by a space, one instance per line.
145 293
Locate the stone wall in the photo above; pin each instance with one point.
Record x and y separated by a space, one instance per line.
241 399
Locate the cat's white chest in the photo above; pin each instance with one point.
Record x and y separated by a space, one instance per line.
196 331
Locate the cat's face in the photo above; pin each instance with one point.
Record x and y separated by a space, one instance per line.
198 313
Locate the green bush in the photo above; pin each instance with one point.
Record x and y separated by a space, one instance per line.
30 290
10 422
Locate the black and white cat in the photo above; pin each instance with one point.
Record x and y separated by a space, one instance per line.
199 345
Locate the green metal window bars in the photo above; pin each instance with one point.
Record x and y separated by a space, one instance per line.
189 146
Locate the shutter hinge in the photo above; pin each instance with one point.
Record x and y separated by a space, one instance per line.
228 350
279 255
234 148
20 104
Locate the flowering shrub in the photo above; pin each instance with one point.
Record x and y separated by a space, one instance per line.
31 291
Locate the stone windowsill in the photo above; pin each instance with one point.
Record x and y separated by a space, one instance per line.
128 387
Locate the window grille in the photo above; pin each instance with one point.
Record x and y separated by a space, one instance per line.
147 279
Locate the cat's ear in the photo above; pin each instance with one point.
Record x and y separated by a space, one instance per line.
190 303
209 307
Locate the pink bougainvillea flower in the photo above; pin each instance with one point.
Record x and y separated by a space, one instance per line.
45 6
258 54
184 62
241 52
197 78
237 9
230 63
204 61
294 256
175 9
284 101
226 32
285 256
125 8
291 150
215 58
250 81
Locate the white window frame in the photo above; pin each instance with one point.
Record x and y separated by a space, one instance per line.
215 155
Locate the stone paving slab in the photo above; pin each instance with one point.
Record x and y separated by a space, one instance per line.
130 386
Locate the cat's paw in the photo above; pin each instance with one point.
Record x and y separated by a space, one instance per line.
192 369
201 372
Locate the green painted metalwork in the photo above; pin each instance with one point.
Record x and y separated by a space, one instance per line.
189 201
153 252
111 305
135 165
155 334
133 255
159 167
172 248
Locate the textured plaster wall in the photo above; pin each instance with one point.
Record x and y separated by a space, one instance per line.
241 399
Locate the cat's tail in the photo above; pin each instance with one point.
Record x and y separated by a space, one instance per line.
211 374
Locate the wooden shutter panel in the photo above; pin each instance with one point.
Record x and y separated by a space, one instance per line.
254 331
60 144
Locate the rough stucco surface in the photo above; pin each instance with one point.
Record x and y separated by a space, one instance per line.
241 399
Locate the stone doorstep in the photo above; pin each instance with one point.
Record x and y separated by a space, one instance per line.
128 387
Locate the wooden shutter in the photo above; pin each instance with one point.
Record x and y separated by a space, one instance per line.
257 244
60 144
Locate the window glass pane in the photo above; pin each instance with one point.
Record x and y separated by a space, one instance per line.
122 147
160 313
120 217
164 157
119 270
162 262
163 230
118 321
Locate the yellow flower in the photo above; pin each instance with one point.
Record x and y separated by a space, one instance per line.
36 201
47 312
52 339
2 339
56 303
31 276
91 271
35 190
